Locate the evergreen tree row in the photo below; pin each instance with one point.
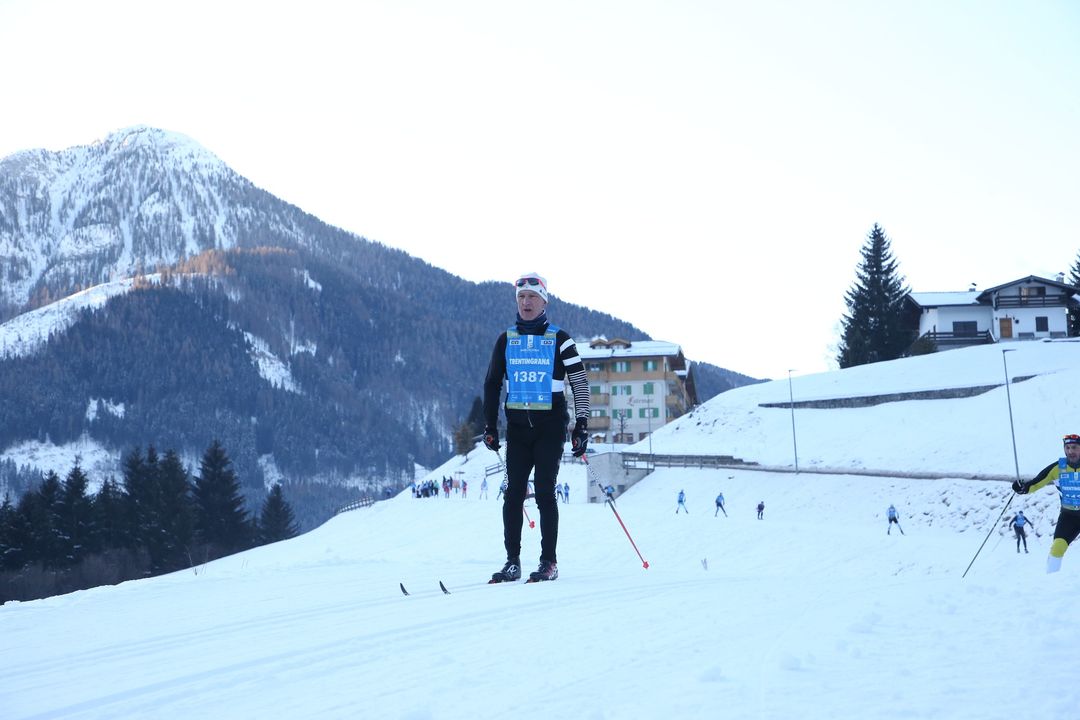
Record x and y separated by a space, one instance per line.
58 538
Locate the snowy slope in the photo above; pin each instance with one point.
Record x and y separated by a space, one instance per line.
813 612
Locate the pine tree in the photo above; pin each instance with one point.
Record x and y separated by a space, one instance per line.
276 521
137 498
47 542
75 516
175 519
220 518
10 546
1074 308
874 328
20 548
110 517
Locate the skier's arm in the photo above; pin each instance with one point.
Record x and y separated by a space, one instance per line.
493 382
575 375
1046 476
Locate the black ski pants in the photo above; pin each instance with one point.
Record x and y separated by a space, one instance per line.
528 449
1021 534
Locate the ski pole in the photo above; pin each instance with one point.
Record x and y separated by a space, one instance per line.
611 504
531 523
992 528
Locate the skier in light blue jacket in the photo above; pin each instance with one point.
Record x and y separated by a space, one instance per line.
1018 523
894 517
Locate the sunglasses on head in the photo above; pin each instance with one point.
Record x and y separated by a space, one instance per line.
522 282
1071 439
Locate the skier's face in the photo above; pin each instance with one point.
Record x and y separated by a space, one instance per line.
530 305
1072 454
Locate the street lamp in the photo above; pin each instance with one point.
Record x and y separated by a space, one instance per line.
648 418
791 399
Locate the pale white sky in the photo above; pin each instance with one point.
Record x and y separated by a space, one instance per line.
706 171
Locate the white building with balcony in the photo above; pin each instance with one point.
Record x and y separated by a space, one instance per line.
635 387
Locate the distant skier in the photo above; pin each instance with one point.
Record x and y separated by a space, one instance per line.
894 517
1064 474
761 510
558 493
566 492
720 505
483 489
1018 522
682 503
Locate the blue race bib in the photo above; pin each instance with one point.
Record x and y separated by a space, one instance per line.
530 363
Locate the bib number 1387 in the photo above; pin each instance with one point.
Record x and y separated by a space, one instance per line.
529 376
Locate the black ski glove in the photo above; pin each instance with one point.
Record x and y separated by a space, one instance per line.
491 439
1020 488
579 438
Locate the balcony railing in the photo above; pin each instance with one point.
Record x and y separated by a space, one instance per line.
1019 301
952 339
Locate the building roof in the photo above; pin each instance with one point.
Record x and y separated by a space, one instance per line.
978 297
988 293
600 348
940 299
603 348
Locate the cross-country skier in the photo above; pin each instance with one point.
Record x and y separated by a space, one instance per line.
720 505
682 503
536 360
1018 523
761 510
894 517
1065 476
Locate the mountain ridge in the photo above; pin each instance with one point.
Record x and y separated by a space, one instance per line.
384 352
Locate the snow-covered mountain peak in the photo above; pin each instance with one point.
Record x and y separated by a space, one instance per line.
139 198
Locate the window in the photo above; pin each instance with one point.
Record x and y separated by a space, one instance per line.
1036 291
621 366
648 389
648 412
966 328
1042 324
650 365
594 412
627 413
595 367
621 389
595 389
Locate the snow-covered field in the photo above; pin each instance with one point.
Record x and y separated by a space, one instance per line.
813 612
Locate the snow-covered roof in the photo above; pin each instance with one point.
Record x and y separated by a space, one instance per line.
637 348
937 299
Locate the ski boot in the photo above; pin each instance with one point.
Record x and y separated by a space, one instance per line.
510 572
547 571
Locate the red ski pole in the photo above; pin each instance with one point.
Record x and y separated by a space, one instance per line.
531 523
611 504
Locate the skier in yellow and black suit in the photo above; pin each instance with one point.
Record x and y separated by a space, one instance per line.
1065 475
